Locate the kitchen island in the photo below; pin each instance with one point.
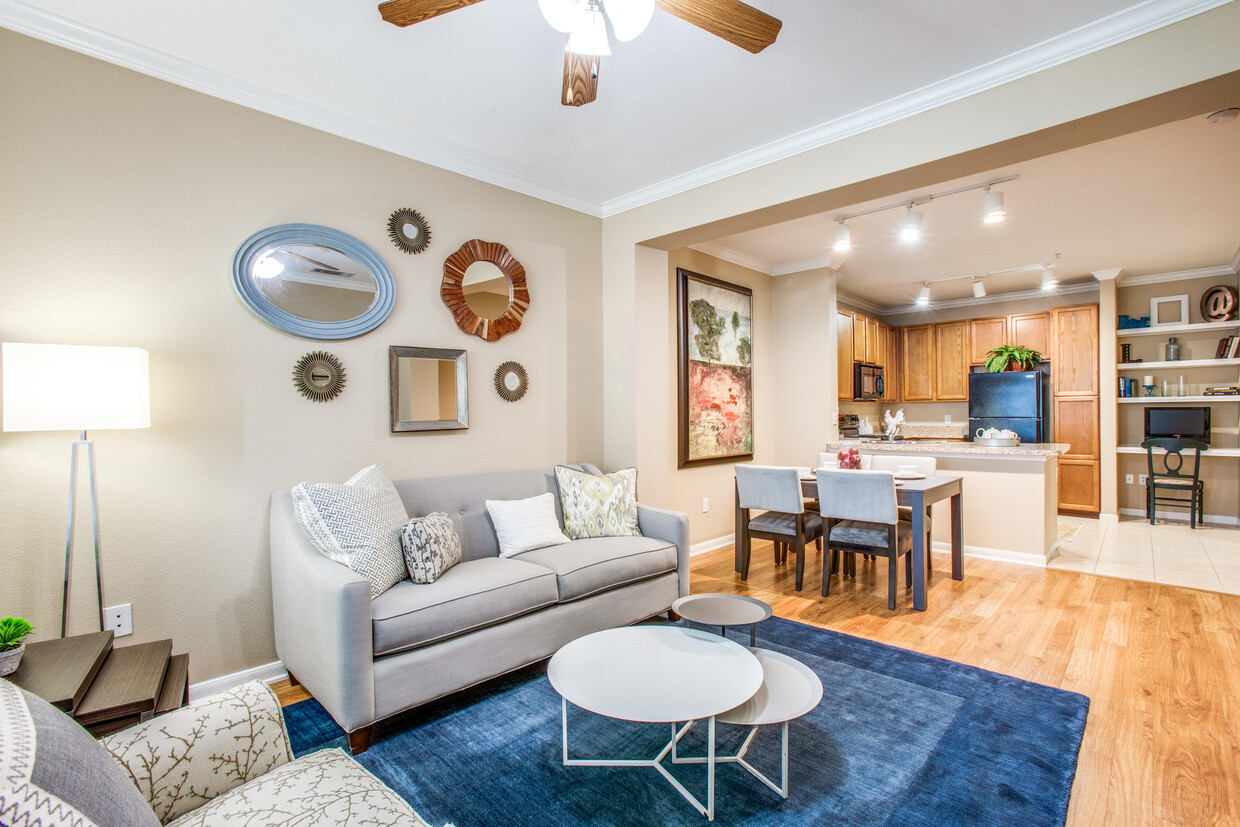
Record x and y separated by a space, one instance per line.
1010 494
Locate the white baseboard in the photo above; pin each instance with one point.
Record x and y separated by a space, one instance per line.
1108 518
1182 516
266 673
710 545
999 554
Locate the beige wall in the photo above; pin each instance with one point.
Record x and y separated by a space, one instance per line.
123 200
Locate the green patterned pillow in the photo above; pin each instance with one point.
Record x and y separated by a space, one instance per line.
603 506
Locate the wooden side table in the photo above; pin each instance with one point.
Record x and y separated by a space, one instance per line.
105 689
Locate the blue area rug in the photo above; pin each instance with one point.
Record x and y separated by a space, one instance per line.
900 738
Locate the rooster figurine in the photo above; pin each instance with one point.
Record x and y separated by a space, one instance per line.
893 422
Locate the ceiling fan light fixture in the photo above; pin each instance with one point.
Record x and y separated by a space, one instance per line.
923 295
564 15
993 211
843 238
590 39
911 231
629 18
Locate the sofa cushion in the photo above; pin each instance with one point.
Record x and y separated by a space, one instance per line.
52 772
325 789
585 567
431 546
470 595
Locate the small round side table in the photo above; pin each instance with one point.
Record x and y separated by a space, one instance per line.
724 610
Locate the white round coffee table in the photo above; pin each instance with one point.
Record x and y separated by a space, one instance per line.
724 610
655 674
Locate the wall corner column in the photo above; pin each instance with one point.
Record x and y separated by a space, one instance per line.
1108 378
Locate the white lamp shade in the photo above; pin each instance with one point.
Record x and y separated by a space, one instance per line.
564 15
629 18
843 238
74 387
993 211
911 231
590 39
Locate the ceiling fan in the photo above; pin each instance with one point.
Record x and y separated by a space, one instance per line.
583 21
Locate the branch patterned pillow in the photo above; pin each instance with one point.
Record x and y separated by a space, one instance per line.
357 524
603 506
431 546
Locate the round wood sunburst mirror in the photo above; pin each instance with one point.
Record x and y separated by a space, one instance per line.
409 230
484 288
511 381
318 376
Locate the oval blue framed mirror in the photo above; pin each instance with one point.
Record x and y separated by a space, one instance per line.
313 281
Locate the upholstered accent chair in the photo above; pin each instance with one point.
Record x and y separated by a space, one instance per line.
859 514
892 462
776 491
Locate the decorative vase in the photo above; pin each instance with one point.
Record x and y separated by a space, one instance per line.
1173 350
10 660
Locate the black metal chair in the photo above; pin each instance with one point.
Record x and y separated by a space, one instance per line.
1173 479
777 492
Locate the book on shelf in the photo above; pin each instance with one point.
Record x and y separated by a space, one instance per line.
1234 348
1224 344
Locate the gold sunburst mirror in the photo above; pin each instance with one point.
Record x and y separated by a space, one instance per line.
318 376
409 230
511 381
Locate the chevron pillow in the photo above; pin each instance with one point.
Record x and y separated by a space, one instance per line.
357 524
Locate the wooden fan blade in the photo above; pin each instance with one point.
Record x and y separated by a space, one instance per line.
408 12
732 20
580 79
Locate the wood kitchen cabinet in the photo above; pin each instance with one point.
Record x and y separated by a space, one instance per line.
1074 381
865 345
951 369
985 335
1075 350
1080 485
844 353
917 363
1032 330
1076 423
893 367
872 338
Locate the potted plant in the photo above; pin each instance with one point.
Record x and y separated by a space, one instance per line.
1012 357
13 631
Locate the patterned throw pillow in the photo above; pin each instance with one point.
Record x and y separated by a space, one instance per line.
524 525
603 506
431 546
357 524
54 774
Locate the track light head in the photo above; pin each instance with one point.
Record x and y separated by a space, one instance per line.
911 231
923 295
992 210
979 289
1049 281
843 237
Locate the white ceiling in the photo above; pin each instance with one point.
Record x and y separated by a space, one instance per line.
1164 200
477 90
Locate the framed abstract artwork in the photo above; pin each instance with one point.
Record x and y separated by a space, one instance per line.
715 334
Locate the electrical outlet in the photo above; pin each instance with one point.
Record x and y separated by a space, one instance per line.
1128 479
1141 479
705 504
119 619
947 419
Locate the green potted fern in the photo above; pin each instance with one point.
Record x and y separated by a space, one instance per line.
13 631
1012 357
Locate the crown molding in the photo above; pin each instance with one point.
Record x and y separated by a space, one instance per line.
830 261
1107 275
1086 287
1116 28
710 248
859 303
43 25
1220 271
1109 31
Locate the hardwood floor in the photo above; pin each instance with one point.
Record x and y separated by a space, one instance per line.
1161 665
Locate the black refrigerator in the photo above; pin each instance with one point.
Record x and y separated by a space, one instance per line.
1017 401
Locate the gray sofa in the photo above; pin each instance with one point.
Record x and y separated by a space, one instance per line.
366 660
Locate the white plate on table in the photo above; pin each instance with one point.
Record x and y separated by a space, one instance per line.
909 476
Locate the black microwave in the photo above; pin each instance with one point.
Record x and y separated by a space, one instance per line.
867 381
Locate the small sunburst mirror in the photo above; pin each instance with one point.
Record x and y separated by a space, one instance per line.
511 381
318 376
409 230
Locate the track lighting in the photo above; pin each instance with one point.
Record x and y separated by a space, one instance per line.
992 210
923 295
843 237
591 37
911 231
1048 279
979 289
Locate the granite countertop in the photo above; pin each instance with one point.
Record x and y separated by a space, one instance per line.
934 430
1028 449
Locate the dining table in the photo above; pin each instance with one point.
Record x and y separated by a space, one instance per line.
917 495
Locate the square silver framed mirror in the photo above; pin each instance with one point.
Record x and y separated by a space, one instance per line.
429 389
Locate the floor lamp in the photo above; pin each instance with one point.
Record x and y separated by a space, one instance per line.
75 388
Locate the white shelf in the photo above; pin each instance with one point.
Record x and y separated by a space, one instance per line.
1172 400
1183 363
1203 327
1213 452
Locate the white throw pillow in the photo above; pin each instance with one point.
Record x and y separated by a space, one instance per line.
357 524
524 525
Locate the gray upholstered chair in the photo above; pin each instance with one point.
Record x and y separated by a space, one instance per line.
860 516
777 492
892 462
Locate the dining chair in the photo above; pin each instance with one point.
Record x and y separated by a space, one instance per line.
859 514
892 462
1169 475
777 492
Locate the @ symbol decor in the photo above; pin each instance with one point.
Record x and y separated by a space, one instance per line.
511 381
409 231
1219 303
318 376
453 294
715 393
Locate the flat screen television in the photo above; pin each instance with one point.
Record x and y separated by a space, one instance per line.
1178 423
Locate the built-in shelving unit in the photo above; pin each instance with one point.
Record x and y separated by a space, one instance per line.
1173 400
1168 329
1182 363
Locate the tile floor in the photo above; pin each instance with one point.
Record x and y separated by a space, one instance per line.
1170 553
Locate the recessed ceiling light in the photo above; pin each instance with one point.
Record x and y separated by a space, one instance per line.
1224 115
